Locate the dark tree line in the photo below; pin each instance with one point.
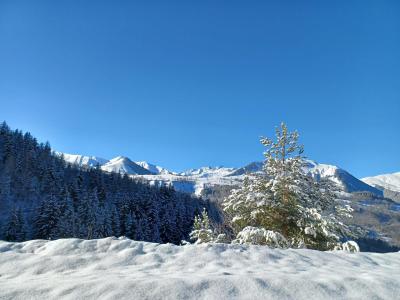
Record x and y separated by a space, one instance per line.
42 197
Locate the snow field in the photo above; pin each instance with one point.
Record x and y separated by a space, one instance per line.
119 268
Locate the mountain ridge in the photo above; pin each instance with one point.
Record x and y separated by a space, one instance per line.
195 180
389 181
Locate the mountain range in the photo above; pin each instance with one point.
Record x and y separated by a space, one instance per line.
196 180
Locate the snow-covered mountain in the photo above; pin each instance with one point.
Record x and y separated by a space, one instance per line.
154 169
124 165
119 164
208 172
384 181
348 182
197 180
344 179
82 160
250 168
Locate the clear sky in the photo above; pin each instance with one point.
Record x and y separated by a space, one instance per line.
191 83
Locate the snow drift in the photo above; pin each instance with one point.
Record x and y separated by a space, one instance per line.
114 268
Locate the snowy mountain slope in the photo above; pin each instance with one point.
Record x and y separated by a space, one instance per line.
154 169
82 160
208 172
343 178
114 268
117 164
124 165
191 184
250 168
384 181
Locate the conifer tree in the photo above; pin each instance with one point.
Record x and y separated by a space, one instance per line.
131 226
287 201
15 230
92 217
115 222
67 223
47 218
202 231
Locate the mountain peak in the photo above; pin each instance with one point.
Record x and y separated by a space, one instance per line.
124 165
119 158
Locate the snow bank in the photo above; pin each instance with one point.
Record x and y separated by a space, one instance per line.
114 268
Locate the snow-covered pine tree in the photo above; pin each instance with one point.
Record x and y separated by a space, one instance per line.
15 230
103 220
5 189
67 223
286 200
202 231
131 226
93 205
115 222
47 218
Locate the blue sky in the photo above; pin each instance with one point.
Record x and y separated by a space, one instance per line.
194 83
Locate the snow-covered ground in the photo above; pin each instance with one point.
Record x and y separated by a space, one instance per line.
114 268
193 184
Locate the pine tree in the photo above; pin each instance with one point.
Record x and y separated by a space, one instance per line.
202 231
5 189
103 222
47 218
67 223
15 230
115 222
287 201
92 215
131 226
